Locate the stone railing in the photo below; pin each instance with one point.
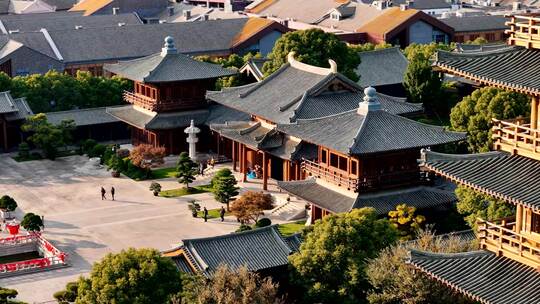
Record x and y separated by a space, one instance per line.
499 237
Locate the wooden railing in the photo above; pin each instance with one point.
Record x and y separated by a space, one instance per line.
329 175
140 100
499 237
516 137
524 31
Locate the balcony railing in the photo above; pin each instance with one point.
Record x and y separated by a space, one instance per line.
140 100
516 137
524 31
499 237
330 175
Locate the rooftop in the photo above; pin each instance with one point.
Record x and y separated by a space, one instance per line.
13 109
167 66
382 67
482 276
476 23
82 117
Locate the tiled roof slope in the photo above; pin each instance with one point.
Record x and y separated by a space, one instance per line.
515 179
476 23
13 109
510 68
294 92
82 117
387 21
385 201
167 66
258 249
376 131
382 67
482 276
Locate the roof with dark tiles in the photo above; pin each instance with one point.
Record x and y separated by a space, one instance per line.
481 275
382 67
83 117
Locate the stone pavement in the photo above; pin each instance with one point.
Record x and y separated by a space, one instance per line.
78 222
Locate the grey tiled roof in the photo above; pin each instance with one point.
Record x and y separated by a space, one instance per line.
512 68
378 131
425 4
7 105
83 117
382 67
258 249
165 68
61 4
35 41
256 66
220 114
482 276
250 133
23 112
383 202
291 93
64 21
157 121
476 23
515 179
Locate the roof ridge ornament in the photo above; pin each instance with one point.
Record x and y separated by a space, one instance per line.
311 68
370 102
168 47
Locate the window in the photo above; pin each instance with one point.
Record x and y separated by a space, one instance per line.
323 159
334 160
335 16
439 38
354 166
343 162
535 222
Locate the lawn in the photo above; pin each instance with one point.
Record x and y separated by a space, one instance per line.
164 173
212 213
291 228
185 191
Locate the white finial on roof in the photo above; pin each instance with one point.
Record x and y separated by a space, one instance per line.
370 102
168 47
333 65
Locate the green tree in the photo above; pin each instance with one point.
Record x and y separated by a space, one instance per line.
473 205
314 47
365 47
473 114
6 294
421 83
331 261
224 186
68 295
67 126
228 287
393 281
133 276
32 222
426 50
44 135
407 222
7 204
186 169
477 41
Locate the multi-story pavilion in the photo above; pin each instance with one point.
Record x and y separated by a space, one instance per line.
169 92
350 143
506 270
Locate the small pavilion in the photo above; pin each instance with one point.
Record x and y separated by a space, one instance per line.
13 112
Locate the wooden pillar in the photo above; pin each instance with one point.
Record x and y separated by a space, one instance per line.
265 171
244 163
234 155
4 128
519 218
534 112
218 143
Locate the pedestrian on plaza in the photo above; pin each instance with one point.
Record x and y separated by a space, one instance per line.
222 213
212 162
201 169
112 192
205 212
103 192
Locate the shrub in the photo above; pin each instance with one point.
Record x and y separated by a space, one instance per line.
243 228
146 156
7 203
155 187
24 150
251 205
97 151
88 145
263 222
32 222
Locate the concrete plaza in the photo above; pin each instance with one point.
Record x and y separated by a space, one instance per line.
79 223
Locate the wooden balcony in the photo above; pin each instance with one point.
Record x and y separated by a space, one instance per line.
140 100
330 175
516 137
391 180
524 31
501 238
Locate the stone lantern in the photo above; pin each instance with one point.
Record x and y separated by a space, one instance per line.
192 139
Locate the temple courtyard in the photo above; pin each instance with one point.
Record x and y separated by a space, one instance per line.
67 193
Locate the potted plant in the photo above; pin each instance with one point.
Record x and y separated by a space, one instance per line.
194 207
156 188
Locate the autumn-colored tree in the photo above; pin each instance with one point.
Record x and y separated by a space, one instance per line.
146 156
407 222
251 205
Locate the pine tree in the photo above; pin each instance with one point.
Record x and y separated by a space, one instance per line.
224 186
186 169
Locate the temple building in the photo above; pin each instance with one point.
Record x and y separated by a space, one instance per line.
506 269
13 112
329 141
169 92
262 250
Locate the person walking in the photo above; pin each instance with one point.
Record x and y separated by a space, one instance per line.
205 212
112 192
201 169
103 192
222 213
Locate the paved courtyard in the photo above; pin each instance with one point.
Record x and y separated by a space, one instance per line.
78 222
